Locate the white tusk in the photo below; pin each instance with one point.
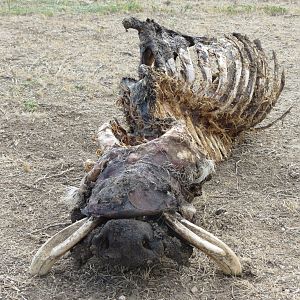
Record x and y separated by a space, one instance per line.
207 243
191 237
59 244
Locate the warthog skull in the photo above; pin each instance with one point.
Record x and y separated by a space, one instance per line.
134 205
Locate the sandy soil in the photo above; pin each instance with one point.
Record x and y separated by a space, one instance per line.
71 66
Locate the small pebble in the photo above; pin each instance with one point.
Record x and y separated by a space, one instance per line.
293 174
194 290
220 211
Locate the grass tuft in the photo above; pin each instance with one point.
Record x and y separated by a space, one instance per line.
274 10
271 10
30 105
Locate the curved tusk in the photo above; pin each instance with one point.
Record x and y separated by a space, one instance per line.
207 243
59 244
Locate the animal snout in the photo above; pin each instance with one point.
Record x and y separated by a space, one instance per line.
127 242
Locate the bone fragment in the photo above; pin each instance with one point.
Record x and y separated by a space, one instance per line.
106 137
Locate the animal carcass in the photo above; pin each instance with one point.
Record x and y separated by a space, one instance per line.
193 97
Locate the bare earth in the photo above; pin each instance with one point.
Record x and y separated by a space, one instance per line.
71 66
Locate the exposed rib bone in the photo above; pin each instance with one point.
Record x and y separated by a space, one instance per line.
272 97
59 244
276 73
263 89
219 145
205 67
222 66
207 243
244 77
259 94
188 71
234 75
193 132
280 80
202 139
248 92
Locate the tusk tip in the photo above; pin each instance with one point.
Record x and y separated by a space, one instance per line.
51 251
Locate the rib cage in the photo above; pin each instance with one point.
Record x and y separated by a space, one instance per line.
236 91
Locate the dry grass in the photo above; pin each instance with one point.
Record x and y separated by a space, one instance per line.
54 7
272 10
74 64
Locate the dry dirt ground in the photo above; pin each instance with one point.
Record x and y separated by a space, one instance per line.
59 80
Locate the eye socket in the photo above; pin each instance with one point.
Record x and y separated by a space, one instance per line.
146 244
148 57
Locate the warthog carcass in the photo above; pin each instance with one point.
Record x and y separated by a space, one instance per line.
193 97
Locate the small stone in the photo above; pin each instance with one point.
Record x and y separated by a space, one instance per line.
293 174
26 167
194 290
122 297
220 211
